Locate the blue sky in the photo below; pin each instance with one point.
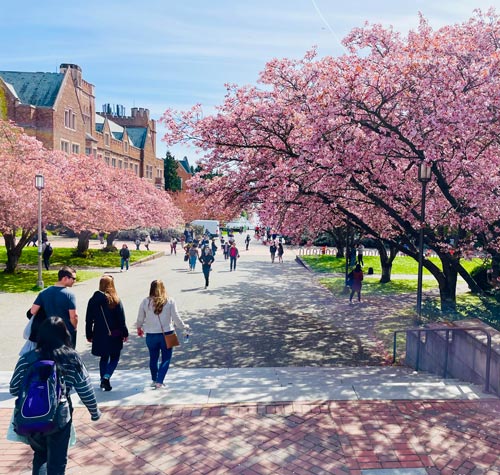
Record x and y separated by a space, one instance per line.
158 53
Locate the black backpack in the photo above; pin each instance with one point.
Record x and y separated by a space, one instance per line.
42 405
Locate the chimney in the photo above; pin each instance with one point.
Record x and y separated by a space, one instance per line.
75 71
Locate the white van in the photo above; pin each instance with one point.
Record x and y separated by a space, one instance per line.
211 226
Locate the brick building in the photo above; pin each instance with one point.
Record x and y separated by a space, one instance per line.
59 110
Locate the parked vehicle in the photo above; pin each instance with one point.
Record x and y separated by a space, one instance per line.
210 226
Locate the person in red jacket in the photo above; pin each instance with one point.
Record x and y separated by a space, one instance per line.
357 279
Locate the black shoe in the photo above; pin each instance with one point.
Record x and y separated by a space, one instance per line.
105 385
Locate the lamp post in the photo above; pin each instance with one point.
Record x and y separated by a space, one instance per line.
39 185
424 177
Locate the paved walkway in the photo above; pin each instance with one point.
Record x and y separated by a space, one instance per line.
263 387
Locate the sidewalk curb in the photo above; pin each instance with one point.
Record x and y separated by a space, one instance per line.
152 257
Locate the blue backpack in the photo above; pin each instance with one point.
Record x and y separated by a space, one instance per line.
42 405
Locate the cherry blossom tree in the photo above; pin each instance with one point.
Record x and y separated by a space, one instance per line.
352 131
81 193
21 158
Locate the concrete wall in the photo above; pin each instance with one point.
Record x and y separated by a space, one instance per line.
467 351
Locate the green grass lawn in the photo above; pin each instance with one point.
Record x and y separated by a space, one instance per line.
372 286
65 256
24 280
401 265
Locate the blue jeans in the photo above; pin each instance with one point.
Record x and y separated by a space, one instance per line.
108 364
156 344
232 263
124 262
192 262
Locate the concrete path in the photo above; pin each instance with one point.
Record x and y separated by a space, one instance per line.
279 378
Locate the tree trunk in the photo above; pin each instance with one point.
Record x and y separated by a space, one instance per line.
83 243
15 249
386 260
110 238
448 284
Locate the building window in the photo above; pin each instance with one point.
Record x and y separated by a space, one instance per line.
125 146
69 119
88 151
159 173
149 172
65 146
180 179
75 148
106 158
106 139
120 164
136 169
113 162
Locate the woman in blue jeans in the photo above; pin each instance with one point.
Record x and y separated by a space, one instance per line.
158 316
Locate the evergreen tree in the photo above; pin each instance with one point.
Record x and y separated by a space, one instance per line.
172 180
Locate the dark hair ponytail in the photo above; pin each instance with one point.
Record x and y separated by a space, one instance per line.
54 340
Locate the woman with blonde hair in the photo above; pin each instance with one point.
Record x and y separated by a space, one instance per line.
158 316
106 328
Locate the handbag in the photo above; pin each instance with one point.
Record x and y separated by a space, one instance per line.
116 333
171 339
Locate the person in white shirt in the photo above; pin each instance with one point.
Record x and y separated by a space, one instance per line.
158 316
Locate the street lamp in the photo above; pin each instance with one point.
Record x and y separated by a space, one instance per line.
424 177
39 185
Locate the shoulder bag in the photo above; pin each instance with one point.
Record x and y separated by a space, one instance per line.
117 333
171 339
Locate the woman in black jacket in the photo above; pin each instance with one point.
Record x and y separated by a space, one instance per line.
106 328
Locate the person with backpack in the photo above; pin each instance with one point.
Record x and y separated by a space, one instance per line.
42 381
105 328
46 254
247 241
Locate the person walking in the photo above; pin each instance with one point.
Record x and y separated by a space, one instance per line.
54 343
247 241
360 249
138 243
147 241
158 316
46 254
272 250
193 256
105 328
173 246
57 300
357 278
233 256
125 257
281 251
206 260
225 248
214 248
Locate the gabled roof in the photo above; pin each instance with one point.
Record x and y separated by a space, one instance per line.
137 135
37 89
185 164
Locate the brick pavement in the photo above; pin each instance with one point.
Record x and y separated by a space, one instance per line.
336 437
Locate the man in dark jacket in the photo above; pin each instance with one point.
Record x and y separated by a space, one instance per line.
125 257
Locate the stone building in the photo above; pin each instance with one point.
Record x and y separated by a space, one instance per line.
59 110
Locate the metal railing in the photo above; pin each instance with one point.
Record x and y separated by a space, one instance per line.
447 331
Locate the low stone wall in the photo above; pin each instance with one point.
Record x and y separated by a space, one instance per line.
467 353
